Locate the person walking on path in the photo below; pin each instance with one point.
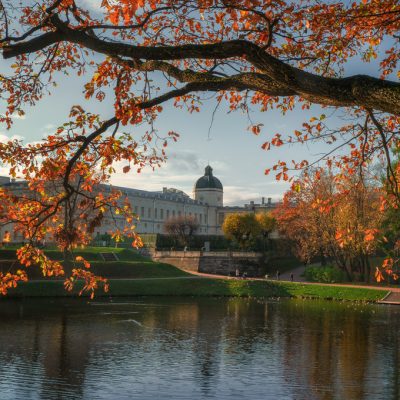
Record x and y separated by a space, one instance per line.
278 274
291 277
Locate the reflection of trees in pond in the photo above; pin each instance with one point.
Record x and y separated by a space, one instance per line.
247 323
46 354
199 323
317 350
336 353
390 354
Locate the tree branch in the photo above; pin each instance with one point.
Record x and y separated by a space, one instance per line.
358 90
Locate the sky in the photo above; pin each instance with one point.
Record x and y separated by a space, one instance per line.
234 153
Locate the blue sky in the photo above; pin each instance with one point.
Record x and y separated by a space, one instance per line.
233 152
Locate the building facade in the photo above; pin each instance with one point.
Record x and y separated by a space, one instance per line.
155 208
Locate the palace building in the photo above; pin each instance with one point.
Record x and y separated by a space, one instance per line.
154 208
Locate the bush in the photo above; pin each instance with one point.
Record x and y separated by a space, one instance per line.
166 242
328 274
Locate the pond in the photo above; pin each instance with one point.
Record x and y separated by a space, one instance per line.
198 348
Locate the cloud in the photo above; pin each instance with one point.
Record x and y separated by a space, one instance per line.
239 195
4 138
182 170
92 5
17 116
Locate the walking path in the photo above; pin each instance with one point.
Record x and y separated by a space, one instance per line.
393 297
297 274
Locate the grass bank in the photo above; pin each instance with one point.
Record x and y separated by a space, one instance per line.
89 253
135 275
130 264
193 286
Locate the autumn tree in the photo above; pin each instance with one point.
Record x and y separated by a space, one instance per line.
267 224
181 228
243 228
140 54
333 216
305 216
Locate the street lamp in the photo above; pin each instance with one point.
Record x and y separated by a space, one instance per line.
265 236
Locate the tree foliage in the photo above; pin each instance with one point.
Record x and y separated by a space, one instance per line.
140 54
243 228
182 228
332 216
266 222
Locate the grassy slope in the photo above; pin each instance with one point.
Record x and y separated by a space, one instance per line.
133 266
130 265
89 253
209 287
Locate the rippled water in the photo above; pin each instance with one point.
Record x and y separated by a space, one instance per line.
198 349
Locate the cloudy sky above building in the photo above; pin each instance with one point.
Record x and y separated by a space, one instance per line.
219 138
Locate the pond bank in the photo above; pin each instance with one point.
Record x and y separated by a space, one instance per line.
206 287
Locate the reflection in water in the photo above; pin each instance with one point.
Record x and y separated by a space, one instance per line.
198 349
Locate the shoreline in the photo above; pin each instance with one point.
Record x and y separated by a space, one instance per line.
197 286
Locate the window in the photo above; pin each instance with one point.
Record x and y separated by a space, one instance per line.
149 213
179 213
201 219
155 213
162 213
173 213
167 214
142 211
136 209
206 219
221 218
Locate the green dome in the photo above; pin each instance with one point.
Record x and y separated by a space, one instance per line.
208 181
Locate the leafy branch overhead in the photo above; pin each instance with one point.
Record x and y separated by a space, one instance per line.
139 54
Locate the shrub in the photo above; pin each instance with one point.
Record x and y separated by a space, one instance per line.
327 274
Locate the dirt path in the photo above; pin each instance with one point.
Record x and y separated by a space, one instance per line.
297 275
393 297
286 278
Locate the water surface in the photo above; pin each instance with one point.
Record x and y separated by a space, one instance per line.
183 348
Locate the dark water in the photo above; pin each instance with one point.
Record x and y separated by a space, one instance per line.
198 349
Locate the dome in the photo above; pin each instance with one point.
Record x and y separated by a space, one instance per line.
208 181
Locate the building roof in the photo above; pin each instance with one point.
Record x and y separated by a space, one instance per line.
208 181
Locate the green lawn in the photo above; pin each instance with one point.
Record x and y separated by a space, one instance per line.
131 264
190 286
89 253
135 275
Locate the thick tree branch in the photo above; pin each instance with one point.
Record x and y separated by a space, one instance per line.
358 90
85 144
206 81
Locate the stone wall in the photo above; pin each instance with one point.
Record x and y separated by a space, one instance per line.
185 260
219 263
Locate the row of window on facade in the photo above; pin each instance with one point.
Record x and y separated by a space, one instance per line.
159 214
155 229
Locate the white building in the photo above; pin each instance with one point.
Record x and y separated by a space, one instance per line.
154 208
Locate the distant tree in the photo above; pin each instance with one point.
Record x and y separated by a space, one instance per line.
334 216
243 228
267 224
182 228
